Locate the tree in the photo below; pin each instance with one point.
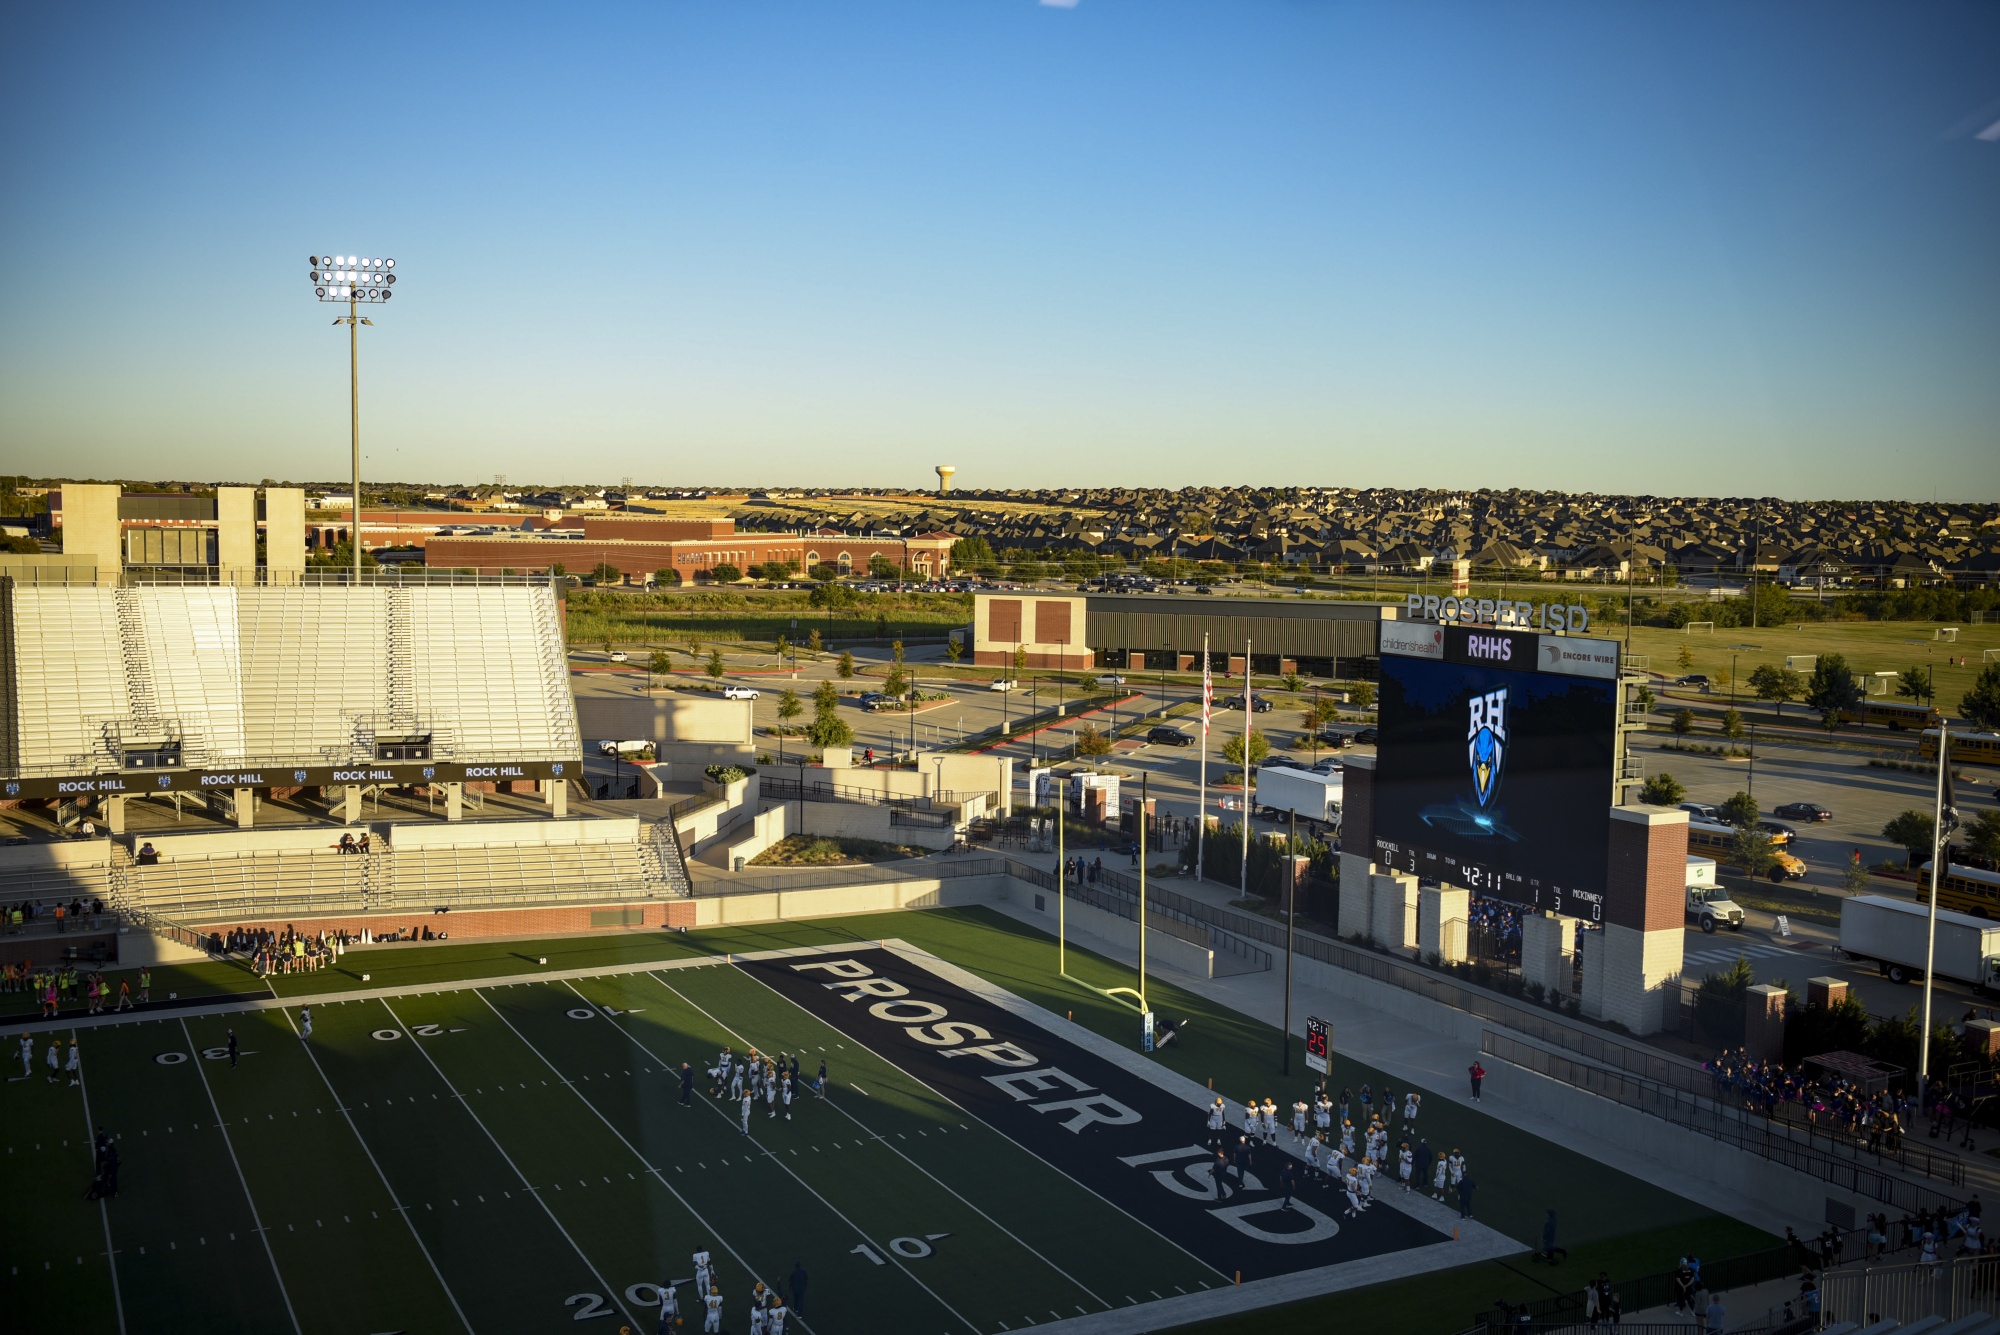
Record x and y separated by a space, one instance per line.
1362 693
974 553
846 666
1092 740
814 645
1292 682
1832 690
1318 714
828 728
666 577
1740 810
1685 658
1644 698
605 573
1980 706
954 648
1663 790
1753 851
896 651
1260 746
1914 683
725 574
662 663
881 567
1732 723
1020 658
897 683
1777 684
789 708
783 646
832 596
1982 835
825 574
1911 831
715 668
1683 723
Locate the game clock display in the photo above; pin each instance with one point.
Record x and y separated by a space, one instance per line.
1496 778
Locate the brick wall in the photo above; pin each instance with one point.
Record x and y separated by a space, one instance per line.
1645 874
1357 810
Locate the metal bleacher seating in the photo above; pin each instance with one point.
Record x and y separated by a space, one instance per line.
69 675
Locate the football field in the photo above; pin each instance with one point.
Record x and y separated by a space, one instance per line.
514 1155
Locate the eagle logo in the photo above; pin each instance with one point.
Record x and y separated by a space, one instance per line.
1486 742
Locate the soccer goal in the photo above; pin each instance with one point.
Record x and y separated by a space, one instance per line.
1989 655
1802 662
1700 628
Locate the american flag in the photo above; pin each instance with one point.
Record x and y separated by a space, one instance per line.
1207 694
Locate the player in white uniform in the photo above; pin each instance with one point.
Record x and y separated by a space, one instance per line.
770 1094
1270 1121
1438 1176
1411 1102
1351 1184
757 1318
1406 1165
1217 1117
27 1055
748 1100
787 1095
719 1073
55 1058
1367 1176
75 1067
1298 1119
703 1275
712 1323
1456 1164
670 1306
778 1314
1347 1138
1323 1113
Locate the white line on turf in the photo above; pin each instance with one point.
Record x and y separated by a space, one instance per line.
230 1145
897 1152
890 1252
387 1186
502 1151
1003 1136
708 1229
1025 1245
110 1252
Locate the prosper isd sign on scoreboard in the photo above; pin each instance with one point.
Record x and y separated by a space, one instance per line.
1495 764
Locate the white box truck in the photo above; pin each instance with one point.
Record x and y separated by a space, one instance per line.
1891 932
1316 797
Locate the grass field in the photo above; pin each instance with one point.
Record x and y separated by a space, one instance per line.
1869 646
513 1157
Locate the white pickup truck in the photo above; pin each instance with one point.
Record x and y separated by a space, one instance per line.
1711 906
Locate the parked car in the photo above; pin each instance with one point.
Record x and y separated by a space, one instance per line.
1003 684
1111 679
867 699
739 693
1283 762
1780 833
1334 738
631 748
1366 737
1698 680
1165 736
1331 765
618 655
1802 811
1701 810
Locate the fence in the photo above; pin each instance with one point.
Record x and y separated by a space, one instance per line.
1124 903
946 868
1950 1290
775 789
1747 1131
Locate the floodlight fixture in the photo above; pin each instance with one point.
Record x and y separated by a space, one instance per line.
358 280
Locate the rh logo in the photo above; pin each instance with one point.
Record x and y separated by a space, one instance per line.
1486 741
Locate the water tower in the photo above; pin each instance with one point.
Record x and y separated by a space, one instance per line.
944 472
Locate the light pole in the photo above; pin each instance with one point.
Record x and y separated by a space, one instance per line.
358 280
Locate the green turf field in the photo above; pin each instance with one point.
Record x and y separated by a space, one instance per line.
514 1157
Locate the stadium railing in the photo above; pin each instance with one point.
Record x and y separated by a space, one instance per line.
947 867
1745 1131
1950 1290
1161 916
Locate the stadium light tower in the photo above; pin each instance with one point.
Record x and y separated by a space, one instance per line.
358 280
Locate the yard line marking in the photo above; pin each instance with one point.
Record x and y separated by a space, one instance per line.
230 1145
944 1098
110 1252
1018 1239
831 1208
588 1265
644 1161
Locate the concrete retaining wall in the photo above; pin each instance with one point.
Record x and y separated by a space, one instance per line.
78 853
503 833
1107 933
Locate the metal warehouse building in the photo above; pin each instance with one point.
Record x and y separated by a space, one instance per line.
1151 631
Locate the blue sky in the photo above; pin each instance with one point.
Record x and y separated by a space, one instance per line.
1691 248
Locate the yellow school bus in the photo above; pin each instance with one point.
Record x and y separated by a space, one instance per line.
1710 839
1965 889
1967 748
1891 714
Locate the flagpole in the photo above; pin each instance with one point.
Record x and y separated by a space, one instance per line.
1142 894
1201 805
1062 877
1243 875
1930 936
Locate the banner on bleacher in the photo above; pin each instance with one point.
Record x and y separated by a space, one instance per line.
274 776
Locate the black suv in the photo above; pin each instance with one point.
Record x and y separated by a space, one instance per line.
1165 736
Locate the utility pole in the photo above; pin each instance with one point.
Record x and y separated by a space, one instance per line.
1291 915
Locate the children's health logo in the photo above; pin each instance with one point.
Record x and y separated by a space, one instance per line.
1486 742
